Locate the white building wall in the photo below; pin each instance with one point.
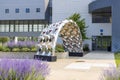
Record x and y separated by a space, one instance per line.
62 9
22 5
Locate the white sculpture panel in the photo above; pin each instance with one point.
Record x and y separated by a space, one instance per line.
67 30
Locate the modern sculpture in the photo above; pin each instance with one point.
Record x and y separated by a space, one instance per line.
70 34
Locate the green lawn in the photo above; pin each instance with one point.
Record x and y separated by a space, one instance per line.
117 58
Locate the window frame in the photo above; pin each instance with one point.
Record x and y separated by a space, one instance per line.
7 11
38 10
17 10
27 10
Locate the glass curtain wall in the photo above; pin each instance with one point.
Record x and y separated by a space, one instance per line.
22 26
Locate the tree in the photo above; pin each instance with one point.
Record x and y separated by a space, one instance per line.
81 24
3 40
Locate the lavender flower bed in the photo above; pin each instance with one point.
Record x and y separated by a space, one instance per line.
112 73
21 44
12 69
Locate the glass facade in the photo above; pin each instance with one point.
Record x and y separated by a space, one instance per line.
101 17
22 26
101 42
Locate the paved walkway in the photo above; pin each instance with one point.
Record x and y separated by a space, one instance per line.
89 67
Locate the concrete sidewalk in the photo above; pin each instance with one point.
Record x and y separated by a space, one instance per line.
89 67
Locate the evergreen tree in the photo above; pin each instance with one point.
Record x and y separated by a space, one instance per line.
81 24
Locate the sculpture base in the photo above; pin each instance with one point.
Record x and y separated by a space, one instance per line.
45 58
76 54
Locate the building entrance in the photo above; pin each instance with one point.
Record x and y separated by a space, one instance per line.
101 43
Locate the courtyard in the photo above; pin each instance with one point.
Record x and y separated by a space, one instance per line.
88 67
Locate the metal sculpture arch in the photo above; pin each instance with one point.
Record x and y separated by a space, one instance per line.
67 30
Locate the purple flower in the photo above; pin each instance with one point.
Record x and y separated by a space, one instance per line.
30 44
112 73
11 44
15 68
21 44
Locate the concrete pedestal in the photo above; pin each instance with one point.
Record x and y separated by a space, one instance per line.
45 58
75 54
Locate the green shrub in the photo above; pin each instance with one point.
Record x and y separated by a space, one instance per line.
6 49
118 52
16 50
21 38
59 48
34 49
86 47
25 49
1 48
3 40
117 58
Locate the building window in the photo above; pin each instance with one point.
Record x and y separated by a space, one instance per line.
101 17
37 9
17 10
6 10
21 26
27 10
25 23
16 26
